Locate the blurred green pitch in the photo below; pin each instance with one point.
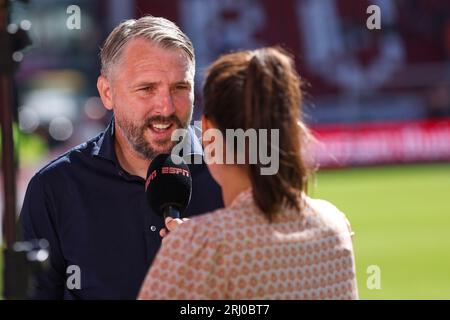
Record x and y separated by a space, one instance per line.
401 219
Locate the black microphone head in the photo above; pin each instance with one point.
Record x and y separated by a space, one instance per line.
168 184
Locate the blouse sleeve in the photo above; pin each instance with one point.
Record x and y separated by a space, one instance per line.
189 265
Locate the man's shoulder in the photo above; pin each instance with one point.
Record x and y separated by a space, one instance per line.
68 159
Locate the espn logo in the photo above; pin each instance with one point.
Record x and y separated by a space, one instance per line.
174 170
166 170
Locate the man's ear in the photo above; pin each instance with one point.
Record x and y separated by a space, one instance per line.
105 91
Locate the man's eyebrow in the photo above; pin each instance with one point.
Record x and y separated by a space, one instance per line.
183 82
142 84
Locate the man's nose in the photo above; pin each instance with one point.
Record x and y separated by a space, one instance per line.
164 105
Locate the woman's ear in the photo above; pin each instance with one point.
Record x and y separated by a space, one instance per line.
213 142
206 125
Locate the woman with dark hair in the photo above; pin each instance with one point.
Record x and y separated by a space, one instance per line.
271 241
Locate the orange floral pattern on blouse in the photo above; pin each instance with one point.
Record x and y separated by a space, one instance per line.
235 253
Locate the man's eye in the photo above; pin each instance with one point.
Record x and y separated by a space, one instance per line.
146 89
182 87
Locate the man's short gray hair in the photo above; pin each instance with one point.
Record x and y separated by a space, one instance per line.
159 30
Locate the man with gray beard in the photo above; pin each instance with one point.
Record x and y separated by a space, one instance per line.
90 202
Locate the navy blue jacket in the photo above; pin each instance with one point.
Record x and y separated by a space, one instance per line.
96 217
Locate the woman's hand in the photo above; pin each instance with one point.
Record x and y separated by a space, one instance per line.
171 224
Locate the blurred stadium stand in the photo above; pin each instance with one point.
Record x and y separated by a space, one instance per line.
400 72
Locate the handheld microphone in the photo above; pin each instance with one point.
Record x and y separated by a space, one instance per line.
168 186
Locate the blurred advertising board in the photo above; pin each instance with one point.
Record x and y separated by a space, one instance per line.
381 143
